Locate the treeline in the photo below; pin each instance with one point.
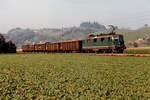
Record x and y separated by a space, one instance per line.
6 47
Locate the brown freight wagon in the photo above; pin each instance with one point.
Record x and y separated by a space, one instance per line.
28 48
31 48
70 46
24 48
40 47
52 47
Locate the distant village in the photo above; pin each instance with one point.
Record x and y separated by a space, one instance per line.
140 41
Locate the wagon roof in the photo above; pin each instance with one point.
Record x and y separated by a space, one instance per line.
39 43
70 40
102 36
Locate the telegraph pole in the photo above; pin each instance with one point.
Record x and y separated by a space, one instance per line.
62 36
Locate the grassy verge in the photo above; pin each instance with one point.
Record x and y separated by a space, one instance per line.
137 51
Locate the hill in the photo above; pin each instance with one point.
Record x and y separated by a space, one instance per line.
132 35
28 36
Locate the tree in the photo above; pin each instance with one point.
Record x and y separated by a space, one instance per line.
6 47
11 48
95 25
2 39
2 42
145 25
135 44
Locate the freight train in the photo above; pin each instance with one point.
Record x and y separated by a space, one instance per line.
103 43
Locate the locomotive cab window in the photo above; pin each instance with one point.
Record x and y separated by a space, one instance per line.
116 39
121 39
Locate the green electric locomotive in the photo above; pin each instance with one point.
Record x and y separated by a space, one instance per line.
106 43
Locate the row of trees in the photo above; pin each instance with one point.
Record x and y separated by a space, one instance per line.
6 47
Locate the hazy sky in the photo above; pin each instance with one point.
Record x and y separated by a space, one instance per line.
55 13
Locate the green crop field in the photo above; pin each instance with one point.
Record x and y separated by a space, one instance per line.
137 51
73 77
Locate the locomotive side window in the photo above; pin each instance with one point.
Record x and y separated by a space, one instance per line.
95 40
109 39
102 39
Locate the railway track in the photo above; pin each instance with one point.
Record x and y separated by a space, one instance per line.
100 54
125 54
114 54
